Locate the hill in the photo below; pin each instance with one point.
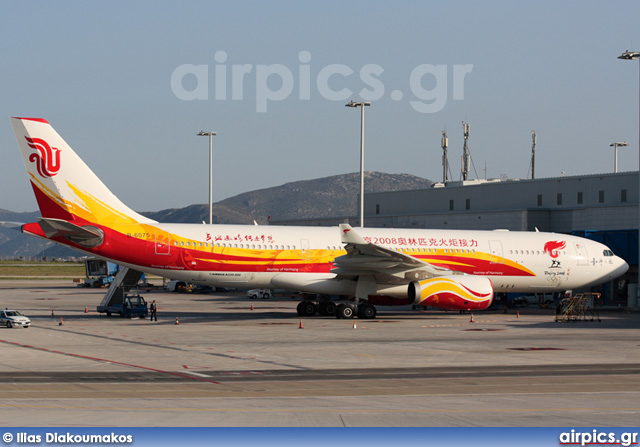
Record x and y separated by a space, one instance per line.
334 196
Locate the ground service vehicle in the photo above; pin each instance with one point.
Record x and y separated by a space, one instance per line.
132 306
265 294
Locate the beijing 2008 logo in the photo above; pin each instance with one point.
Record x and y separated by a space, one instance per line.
47 159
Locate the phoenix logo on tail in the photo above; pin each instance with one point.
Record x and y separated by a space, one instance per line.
47 159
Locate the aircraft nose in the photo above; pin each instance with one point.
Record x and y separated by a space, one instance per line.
620 268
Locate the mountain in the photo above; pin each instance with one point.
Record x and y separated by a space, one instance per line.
335 196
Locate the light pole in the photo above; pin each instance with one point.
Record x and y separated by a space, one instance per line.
362 105
632 56
615 147
210 134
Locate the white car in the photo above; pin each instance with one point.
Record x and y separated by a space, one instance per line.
265 294
11 318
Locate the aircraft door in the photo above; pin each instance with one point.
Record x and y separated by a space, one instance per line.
495 248
163 243
305 249
581 254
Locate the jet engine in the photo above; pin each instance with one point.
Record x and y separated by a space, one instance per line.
459 292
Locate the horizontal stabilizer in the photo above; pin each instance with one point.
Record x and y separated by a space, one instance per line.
86 236
11 225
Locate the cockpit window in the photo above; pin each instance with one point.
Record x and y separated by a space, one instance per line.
608 253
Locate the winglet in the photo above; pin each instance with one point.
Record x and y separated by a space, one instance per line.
349 236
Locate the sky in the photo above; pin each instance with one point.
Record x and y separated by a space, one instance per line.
129 85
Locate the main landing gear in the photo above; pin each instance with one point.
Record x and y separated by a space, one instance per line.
346 311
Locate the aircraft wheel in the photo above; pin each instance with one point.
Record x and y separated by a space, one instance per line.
345 311
310 308
367 311
327 308
306 308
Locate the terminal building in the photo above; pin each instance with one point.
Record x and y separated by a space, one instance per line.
603 207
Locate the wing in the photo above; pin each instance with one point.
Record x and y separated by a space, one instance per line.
386 265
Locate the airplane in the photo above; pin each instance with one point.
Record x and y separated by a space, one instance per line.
445 269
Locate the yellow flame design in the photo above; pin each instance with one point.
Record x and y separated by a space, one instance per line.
441 285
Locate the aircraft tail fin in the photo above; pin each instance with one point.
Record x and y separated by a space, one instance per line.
64 186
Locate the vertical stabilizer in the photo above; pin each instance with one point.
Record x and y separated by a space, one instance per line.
65 187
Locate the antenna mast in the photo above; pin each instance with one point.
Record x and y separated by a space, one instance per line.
534 139
444 143
465 152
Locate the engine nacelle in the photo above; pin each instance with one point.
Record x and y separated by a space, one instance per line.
461 292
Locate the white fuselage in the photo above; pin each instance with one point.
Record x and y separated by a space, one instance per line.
513 261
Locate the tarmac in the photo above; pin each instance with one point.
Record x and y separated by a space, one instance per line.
225 364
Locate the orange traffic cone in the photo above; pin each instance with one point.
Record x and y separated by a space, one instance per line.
472 320
518 314
86 310
251 306
301 326
354 324
61 322
177 321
